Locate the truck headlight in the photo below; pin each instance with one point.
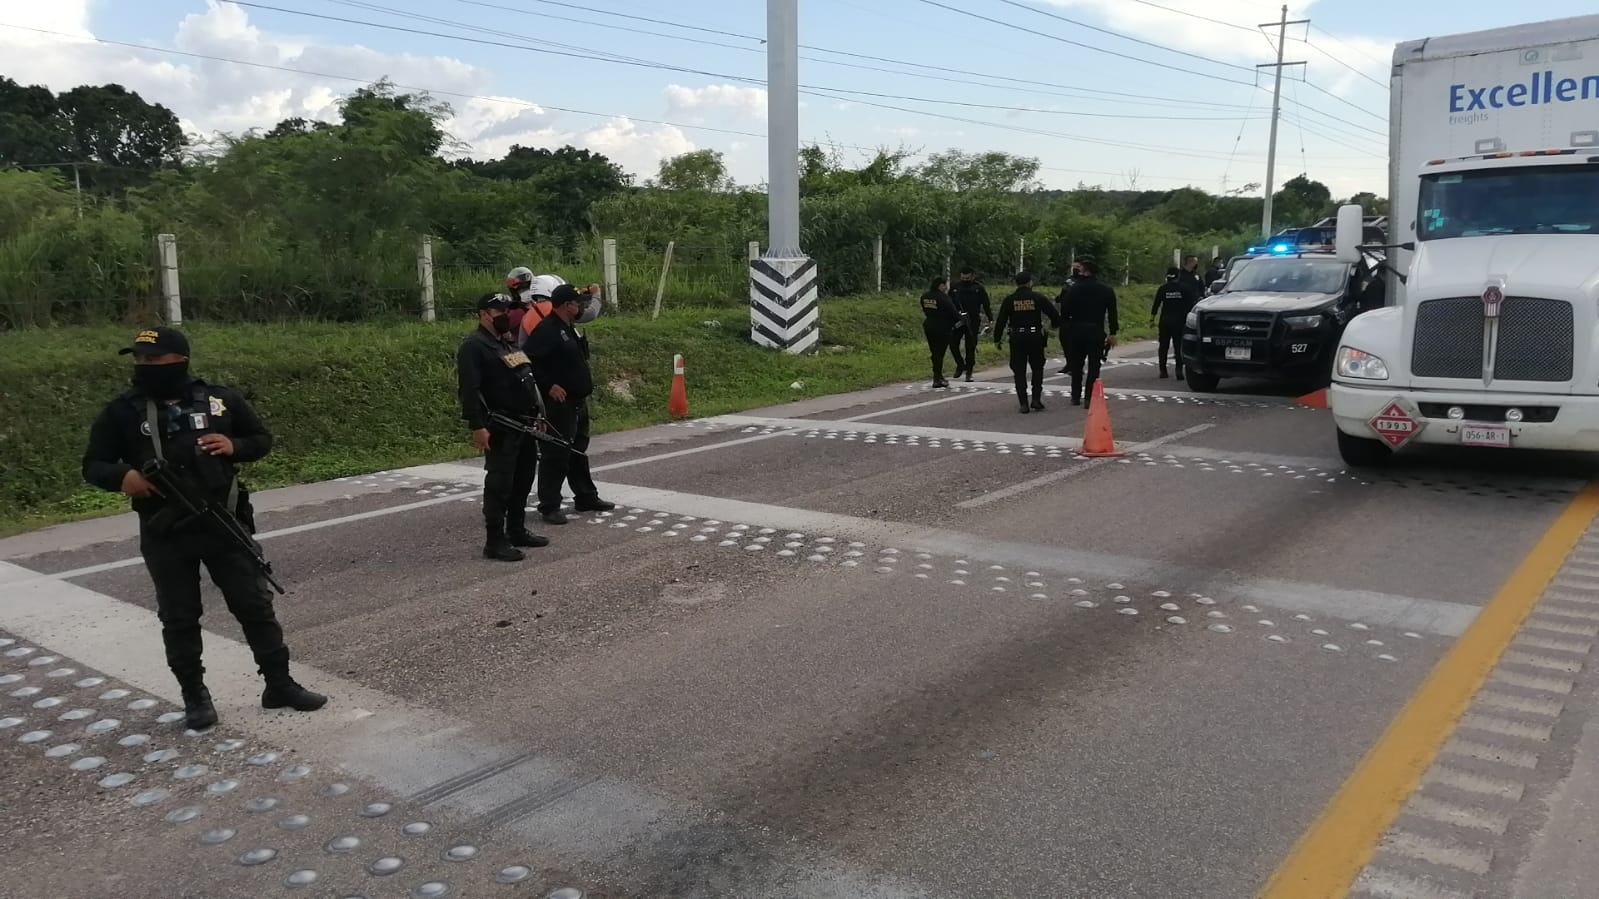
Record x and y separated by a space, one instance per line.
1302 322
1191 321
1353 363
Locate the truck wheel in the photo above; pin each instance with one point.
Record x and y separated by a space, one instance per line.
1201 382
1359 452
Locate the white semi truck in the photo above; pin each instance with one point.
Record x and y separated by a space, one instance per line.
1490 332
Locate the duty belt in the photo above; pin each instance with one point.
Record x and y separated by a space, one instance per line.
1025 330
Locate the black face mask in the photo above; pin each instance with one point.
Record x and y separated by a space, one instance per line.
162 382
501 323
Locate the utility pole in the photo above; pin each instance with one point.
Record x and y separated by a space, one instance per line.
1276 109
783 282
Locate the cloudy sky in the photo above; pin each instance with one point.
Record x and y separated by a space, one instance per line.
1152 93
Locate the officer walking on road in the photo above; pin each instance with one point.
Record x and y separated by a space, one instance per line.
1089 312
1060 302
201 432
971 298
561 366
1024 311
494 375
1173 300
1190 276
944 328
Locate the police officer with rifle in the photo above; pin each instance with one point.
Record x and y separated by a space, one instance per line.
171 443
502 408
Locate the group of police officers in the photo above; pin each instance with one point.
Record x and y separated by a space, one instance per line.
524 385
1084 313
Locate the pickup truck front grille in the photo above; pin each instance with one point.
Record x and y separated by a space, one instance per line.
1535 340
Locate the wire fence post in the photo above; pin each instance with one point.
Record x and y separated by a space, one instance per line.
608 256
1177 257
167 253
660 288
949 251
1021 255
424 276
755 250
877 262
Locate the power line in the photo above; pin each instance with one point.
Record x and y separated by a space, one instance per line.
1127 56
1336 39
1118 34
813 90
620 15
504 100
1345 64
1157 100
1056 37
438 21
1194 15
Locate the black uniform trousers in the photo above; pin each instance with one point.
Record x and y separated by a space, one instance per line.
571 419
1084 344
974 330
509 470
1027 352
174 561
944 337
1171 335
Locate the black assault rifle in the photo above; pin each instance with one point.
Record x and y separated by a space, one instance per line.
191 505
539 429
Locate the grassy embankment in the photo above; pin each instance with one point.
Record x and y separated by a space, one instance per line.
346 399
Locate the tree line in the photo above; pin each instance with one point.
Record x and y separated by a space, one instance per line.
322 218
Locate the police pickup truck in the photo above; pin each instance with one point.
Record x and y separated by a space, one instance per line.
1278 318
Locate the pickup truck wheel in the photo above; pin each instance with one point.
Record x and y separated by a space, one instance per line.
1359 452
1201 382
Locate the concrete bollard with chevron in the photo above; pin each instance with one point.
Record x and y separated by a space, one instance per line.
783 312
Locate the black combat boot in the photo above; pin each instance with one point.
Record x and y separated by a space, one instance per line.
499 548
517 534
198 712
1038 402
592 504
281 690
1023 410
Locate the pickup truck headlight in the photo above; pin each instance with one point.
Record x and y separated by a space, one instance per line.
1302 322
1191 321
1353 363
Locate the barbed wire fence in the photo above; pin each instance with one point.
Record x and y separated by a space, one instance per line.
199 280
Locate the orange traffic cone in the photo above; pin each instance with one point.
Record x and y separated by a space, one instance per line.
677 405
1097 441
1316 399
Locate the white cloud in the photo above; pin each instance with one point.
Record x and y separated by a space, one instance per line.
1191 28
210 95
749 102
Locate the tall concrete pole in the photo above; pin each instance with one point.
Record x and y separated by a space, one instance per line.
783 283
1276 109
782 128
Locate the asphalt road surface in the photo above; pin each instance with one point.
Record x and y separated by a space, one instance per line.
902 643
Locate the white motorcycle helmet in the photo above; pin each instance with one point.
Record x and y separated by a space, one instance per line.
541 286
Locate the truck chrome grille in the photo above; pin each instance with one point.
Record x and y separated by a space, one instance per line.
1535 340
1448 341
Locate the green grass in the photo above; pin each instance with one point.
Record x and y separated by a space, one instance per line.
347 399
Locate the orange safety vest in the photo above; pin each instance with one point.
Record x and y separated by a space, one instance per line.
536 312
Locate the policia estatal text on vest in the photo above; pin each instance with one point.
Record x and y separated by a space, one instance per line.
198 433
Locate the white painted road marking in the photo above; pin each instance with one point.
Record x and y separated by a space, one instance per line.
1045 480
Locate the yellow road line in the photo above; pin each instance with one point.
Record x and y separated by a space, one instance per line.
1330 855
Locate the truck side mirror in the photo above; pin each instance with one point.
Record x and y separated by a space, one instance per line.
1351 226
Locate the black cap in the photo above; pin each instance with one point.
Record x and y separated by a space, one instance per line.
157 342
493 301
1173 273
565 293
